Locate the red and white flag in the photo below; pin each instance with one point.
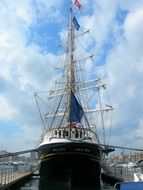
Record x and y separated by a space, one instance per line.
77 3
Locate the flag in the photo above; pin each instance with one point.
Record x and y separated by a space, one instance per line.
77 3
76 111
76 25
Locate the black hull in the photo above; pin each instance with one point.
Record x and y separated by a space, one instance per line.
74 166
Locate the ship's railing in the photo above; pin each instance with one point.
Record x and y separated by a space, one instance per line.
71 133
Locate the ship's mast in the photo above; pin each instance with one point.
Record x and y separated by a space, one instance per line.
70 64
63 105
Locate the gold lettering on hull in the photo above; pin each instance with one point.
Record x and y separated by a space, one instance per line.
62 149
82 150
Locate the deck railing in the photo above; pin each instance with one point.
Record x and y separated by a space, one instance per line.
71 133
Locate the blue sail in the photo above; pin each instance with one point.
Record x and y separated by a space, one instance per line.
76 111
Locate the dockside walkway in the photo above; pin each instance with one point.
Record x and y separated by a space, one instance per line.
11 176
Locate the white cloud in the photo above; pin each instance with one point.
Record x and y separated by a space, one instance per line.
7 112
124 66
25 69
49 11
139 130
133 31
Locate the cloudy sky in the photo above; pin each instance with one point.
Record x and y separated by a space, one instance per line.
30 31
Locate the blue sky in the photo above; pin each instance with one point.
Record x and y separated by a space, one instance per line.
30 31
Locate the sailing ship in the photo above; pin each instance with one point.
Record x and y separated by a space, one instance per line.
70 150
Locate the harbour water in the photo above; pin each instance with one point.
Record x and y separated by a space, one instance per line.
35 184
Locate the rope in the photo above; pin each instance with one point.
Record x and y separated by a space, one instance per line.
40 113
102 119
110 128
111 117
56 111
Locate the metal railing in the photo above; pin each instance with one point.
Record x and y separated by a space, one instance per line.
126 173
11 173
16 166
